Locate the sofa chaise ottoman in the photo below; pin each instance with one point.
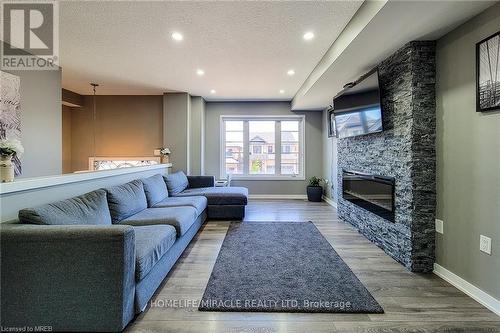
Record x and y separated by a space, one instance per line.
223 203
92 262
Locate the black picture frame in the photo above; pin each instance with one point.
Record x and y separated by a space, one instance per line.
331 123
488 74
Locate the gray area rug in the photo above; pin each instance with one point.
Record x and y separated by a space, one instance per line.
283 267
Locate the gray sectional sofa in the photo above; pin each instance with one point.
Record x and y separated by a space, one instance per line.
223 202
91 263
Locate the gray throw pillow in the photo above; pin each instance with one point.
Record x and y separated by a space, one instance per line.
155 189
176 182
126 200
90 209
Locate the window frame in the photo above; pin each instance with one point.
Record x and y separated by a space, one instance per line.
277 147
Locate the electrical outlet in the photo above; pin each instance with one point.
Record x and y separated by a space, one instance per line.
439 226
485 244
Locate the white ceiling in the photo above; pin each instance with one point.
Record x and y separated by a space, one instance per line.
376 33
245 48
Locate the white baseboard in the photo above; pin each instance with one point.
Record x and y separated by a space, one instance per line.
278 196
289 197
330 202
471 290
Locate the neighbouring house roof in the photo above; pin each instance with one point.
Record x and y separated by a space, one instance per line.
266 137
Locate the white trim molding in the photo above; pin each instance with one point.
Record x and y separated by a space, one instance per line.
246 175
468 288
278 196
32 192
24 184
330 202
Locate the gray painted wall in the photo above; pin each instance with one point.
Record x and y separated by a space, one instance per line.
41 122
197 135
330 160
468 159
313 138
176 112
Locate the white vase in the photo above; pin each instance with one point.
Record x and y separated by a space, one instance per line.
6 169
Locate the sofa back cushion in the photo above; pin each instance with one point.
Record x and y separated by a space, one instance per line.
126 200
155 189
176 182
90 208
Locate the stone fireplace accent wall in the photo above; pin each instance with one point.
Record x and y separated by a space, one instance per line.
405 150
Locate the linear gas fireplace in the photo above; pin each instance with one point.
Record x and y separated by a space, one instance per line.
371 192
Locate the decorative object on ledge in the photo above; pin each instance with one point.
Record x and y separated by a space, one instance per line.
10 112
488 74
224 182
6 169
315 190
9 148
221 183
109 163
165 155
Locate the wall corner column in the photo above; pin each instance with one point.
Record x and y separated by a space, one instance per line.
176 129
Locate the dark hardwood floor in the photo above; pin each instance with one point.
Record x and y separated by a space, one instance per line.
412 302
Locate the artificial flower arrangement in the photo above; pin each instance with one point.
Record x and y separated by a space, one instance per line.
165 151
165 154
11 147
8 149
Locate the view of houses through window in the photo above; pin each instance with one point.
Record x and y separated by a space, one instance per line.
263 146
290 147
261 141
234 147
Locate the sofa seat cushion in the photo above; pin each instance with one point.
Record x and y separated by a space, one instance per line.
219 195
155 189
151 243
181 218
197 202
126 200
176 182
89 209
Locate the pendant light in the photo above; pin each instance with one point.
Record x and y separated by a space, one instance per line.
94 121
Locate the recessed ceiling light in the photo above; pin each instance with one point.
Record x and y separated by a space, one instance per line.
282 91
291 72
200 72
177 36
308 35
213 91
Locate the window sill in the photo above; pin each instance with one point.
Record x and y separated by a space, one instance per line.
261 178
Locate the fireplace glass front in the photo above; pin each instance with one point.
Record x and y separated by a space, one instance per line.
371 192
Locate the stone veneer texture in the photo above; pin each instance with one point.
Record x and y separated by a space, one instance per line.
405 150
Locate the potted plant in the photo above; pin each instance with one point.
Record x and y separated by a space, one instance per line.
8 149
314 189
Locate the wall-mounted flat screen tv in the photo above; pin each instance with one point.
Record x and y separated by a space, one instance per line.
357 110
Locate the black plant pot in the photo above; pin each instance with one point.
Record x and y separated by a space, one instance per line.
314 193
